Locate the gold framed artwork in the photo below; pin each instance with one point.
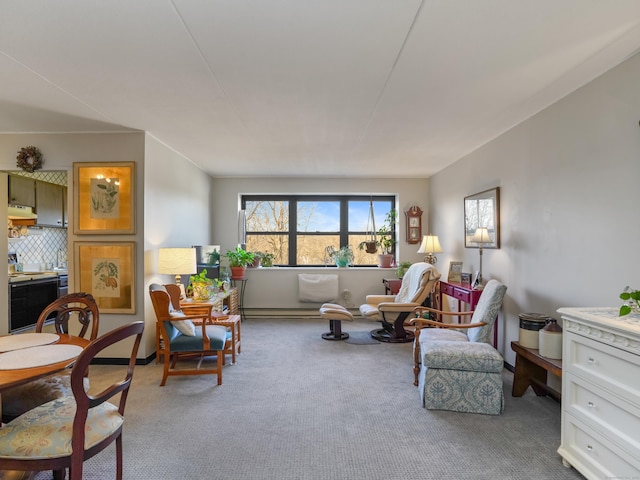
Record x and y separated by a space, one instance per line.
104 198
106 271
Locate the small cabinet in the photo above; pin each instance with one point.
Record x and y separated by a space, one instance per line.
50 204
22 191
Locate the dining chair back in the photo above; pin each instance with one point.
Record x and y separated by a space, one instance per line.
80 306
65 432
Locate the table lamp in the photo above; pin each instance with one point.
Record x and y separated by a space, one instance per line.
177 261
430 245
481 236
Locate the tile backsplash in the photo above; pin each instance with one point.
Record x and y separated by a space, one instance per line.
43 245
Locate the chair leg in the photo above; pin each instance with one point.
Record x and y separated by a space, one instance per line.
335 331
119 457
219 357
59 474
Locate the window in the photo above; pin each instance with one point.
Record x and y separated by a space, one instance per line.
297 229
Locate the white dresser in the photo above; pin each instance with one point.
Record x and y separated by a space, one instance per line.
601 393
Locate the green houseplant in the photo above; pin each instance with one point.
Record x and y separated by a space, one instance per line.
632 301
239 259
201 286
384 239
267 259
342 257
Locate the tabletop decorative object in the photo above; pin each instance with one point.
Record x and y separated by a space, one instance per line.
632 301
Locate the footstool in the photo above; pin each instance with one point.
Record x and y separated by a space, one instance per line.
335 314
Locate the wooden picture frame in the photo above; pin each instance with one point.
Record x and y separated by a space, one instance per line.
104 198
106 270
482 210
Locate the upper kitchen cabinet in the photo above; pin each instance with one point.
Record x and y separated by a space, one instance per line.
50 204
22 191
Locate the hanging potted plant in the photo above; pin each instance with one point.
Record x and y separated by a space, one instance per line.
238 261
370 244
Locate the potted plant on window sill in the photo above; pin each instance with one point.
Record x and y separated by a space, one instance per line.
238 261
342 257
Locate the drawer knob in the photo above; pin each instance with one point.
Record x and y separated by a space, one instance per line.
591 404
591 360
590 448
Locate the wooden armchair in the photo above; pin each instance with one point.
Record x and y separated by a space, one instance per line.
179 338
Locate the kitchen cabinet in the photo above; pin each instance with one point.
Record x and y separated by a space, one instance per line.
22 191
50 204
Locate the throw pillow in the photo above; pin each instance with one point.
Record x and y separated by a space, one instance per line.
186 327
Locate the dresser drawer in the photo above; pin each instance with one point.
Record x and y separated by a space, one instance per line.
462 295
446 289
610 415
593 455
602 364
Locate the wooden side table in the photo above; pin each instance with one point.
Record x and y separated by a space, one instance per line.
531 370
391 285
233 323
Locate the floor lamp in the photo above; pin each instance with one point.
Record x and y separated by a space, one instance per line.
481 236
177 261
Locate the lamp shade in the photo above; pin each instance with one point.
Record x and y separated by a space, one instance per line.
177 261
430 244
481 236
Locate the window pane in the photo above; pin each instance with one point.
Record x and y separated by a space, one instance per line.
276 244
361 257
318 216
312 249
267 216
359 215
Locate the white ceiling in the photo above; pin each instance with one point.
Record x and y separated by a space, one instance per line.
303 87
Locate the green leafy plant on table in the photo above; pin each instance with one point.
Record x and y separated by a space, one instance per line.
201 286
632 301
342 257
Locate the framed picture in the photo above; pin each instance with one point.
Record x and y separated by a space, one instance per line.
414 224
106 271
482 210
103 198
455 272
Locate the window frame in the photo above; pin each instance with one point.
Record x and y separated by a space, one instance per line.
293 233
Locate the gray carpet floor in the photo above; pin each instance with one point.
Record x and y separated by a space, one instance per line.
295 406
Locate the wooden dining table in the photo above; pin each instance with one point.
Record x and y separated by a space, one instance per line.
17 376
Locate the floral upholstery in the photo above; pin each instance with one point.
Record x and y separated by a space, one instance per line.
26 397
460 371
51 424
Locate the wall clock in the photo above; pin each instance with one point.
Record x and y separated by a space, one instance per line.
414 224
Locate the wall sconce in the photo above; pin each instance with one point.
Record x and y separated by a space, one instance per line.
481 236
430 245
177 261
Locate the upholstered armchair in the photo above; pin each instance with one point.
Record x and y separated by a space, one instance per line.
455 366
179 338
392 310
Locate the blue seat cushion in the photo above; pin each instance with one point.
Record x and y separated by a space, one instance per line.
466 356
217 334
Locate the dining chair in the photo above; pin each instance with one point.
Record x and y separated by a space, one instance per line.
83 308
65 432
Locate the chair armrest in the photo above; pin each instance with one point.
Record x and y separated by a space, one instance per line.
421 322
377 299
420 310
396 307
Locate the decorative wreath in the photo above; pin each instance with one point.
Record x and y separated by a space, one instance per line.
29 158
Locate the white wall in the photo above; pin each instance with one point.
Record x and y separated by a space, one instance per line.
177 213
268 288
569 196
60 151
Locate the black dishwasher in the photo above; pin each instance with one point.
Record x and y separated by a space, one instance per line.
28 299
